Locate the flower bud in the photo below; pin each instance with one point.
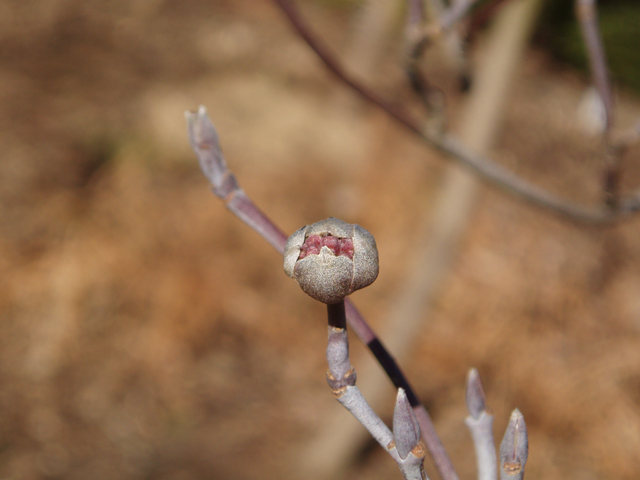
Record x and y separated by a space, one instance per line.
331 259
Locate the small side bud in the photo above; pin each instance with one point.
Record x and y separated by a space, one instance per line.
514 448
331 259
475 394
406 430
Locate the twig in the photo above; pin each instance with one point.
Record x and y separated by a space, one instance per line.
480 423
204 141
417 40
404 443
420 34
588 19
342 380
451 146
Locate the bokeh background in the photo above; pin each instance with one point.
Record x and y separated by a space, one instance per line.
145 333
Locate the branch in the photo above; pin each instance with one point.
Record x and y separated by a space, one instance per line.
448 144
588 20
204 141
404 443
480 423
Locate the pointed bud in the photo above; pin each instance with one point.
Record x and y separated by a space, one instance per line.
406 431
514 448
331 259
204 141
475 394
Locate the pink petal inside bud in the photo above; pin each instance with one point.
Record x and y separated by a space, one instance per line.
339 246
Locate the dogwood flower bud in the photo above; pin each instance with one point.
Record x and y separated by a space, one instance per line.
331 259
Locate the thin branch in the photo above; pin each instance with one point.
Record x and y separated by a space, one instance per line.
429 435
204 141
340 374
486 168
588 20
587 14
352 399
480 423
393 371
403 444
420 34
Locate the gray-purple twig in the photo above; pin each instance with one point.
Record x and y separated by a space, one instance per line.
403 444
587 15
204 141
451 146
480 423
514 448
586 12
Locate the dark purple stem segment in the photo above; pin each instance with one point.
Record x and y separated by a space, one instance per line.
392 369
337 316
586 11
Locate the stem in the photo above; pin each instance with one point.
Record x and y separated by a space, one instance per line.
341 377
481 429
480 424
337 315
588 20
392 369
353 400
204 141
451 146
587 14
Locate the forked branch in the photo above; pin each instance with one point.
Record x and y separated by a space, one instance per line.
451 146
204 141
403 444
410 421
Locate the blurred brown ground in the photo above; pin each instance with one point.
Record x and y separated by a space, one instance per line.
146 333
